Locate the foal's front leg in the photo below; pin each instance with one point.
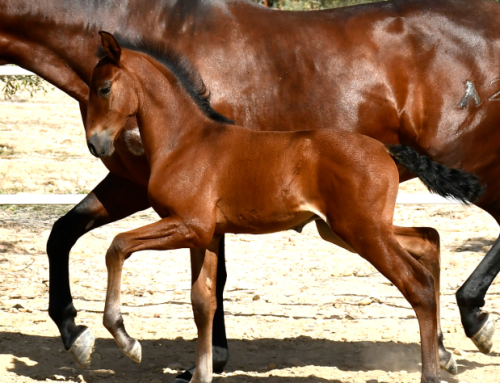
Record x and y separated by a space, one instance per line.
204 301
167 234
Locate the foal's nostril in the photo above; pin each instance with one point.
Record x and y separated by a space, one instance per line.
92 149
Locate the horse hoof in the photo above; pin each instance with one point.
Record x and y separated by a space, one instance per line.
135 352
180 380
450 367
484 337
82 348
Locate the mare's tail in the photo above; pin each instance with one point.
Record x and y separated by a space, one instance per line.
439 179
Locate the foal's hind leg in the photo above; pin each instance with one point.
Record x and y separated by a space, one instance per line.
415 283
423 244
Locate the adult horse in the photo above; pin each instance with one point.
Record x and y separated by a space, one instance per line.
419 72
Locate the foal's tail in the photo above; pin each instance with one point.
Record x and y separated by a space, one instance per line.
439 179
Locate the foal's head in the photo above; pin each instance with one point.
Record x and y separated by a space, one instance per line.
112 100
117 89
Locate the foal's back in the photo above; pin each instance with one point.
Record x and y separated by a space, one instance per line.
273 181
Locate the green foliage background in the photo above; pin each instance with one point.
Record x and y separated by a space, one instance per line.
298 5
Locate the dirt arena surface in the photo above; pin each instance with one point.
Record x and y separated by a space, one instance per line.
298 309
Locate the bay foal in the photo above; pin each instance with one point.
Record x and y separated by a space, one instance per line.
209 177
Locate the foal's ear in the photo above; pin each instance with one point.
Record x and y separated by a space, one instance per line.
111 46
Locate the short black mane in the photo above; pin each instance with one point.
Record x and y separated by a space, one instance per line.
182 69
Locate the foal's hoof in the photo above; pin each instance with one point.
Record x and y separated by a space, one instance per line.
135 352
82 348
450 366
484 337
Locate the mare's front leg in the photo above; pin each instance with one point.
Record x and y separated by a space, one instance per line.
113 199
167 234
479 326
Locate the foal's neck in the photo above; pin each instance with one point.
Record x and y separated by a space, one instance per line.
168 117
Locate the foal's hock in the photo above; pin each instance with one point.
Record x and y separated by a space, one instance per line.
209 177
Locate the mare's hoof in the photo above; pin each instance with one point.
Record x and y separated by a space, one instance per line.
186 376
135 352
484 337
450 366
82 348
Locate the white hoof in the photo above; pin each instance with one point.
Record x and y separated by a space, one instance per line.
135 353
451 366
484 337
82 348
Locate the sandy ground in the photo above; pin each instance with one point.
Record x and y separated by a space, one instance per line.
298 309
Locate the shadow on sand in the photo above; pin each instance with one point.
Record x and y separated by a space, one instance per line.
39 358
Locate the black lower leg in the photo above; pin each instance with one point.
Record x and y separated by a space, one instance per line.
113 199
220 350
470 297
63 236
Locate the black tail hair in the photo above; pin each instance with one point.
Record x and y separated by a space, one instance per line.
439 179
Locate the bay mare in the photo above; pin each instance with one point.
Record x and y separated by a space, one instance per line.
419 72
209 177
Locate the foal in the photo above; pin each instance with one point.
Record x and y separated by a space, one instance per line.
209 177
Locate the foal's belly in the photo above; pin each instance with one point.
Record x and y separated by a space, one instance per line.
255 222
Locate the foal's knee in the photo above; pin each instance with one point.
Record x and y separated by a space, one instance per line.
118 250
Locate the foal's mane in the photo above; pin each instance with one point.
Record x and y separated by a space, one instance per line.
181 68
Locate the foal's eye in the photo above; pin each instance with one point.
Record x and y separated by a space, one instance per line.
105 91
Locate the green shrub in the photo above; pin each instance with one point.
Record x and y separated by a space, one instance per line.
13 85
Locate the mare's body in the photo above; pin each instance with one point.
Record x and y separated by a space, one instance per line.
395 71
209 178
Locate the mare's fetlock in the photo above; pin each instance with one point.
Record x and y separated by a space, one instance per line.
60 317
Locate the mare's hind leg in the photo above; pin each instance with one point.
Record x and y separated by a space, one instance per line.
113 199
423 244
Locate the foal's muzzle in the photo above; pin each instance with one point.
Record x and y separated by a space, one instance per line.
100 145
